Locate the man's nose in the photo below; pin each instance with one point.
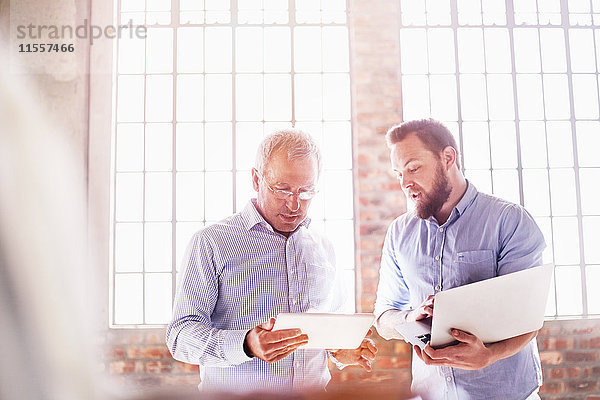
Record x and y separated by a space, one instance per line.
406 183
293 202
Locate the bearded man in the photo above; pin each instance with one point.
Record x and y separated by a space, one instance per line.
455 236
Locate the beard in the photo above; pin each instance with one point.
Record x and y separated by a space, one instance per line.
433 200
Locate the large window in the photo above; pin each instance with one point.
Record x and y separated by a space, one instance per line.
193 100
517 83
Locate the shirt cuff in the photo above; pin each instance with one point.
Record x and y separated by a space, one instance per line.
334 360
233 346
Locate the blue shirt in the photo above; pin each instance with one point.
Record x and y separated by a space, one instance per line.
484 237
236 275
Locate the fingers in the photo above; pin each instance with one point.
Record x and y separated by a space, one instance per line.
463 336
369 333
366 364
268 325
281 353
284 334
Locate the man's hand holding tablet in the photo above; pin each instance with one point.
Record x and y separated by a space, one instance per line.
271 346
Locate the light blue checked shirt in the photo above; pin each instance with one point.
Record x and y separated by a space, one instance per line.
483 237
237 274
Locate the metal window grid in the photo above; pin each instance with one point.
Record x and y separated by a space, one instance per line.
174 25
566 25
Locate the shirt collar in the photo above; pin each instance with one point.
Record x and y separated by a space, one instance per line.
467 198
252 217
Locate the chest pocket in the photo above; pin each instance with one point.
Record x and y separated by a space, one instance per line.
320 284
474 266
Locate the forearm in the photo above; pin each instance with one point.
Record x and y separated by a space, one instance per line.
196 343
509 347
387 322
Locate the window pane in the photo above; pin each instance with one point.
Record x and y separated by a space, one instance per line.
337 185
563 201
131 53
190 98
500 97
158 196
308 97
527 50
476 145
129 196
566 240
415 97
581 42
336 97
277 49
545 225
278 96
506 185
190 147
341 233
218 101
335 49
441 50
473 97
158 298
533 144
128 299
159 50
482 179
553 50
592 273
218 49
498 60
159 145
591 238
249 97
219 201
190 196
337 145
157 246
560 144
129 150
588 142
568 287
128 247
470 50
130 99
529 97
443 97
535 191
504 144
247 138
190 52
244 190
307 49
590 191
585 96
159 98
217 141
413 51
249 49
185 231
556 96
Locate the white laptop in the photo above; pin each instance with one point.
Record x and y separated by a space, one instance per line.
494 309
328 331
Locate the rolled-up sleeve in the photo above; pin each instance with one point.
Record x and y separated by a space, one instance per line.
190 335
392 292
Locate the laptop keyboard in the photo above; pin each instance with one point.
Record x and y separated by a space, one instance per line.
425 338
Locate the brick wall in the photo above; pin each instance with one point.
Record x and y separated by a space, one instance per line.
570 350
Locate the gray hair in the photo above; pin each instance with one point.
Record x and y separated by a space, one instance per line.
296 143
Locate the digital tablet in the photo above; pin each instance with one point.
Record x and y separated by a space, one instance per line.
328 331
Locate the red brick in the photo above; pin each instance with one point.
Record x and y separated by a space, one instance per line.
158 367
580 357
181 380
552 343
593 397
595 343
184 368
591 372
551 357
562 372
123 367
401 347
582 386
386 362
114 353
552 388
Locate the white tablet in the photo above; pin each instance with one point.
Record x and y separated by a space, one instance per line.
328 331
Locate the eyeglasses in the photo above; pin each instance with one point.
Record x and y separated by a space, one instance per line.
286 194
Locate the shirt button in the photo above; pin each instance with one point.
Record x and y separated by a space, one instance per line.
449 378
437 258
438 287
294 301
441 229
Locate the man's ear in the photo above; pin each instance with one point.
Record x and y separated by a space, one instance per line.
449 156
255 179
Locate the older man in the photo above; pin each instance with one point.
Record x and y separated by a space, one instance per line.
241 272
456 235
